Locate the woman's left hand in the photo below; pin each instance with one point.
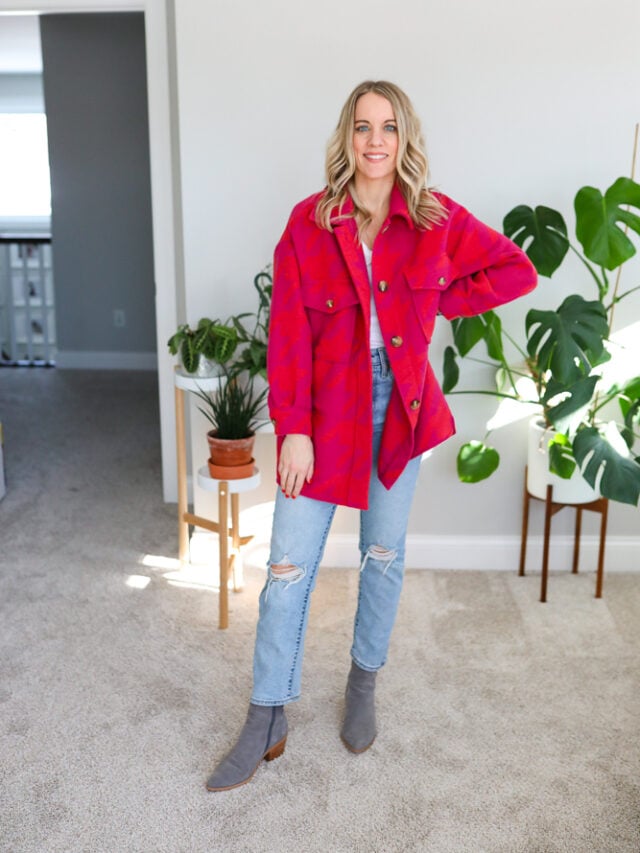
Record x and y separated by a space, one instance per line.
296 463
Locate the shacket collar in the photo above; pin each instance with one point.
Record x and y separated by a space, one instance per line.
397 207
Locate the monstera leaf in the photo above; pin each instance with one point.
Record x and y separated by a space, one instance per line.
603 241
487 327
476 461
620 475
573 402
568 341
545 229
629 401
450 370
561 458
467 332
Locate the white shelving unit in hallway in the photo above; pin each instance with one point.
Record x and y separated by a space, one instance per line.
27 300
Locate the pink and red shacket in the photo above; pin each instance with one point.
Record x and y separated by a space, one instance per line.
319 365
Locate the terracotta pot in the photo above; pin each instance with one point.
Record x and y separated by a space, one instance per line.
230 452
575 490
231 472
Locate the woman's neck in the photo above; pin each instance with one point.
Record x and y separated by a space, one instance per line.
374 196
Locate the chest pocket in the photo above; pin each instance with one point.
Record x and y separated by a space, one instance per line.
426 287
333 310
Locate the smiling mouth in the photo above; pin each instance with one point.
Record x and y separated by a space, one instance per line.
376 156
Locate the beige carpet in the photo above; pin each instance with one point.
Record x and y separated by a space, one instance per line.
505 725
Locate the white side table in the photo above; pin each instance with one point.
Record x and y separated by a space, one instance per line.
205 481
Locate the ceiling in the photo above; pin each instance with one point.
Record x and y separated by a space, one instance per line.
20 51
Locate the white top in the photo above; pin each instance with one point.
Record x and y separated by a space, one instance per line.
376 341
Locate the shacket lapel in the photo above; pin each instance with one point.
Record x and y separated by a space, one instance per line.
351 250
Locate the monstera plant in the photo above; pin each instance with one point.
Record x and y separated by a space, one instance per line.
568 353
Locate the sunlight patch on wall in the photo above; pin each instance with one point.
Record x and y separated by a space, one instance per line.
512 411
624 347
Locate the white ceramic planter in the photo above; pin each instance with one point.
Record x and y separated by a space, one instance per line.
205 369
576 490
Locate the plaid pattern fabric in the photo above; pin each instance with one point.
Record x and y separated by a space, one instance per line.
318 355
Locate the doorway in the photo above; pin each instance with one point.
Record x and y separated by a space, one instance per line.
163 163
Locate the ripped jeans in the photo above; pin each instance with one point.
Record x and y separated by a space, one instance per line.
300 530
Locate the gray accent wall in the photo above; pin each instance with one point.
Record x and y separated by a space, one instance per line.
94 73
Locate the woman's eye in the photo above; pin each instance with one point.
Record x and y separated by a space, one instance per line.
390 127
362 128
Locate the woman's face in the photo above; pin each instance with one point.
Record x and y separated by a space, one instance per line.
375 137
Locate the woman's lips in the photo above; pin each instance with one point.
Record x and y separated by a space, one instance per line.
376 157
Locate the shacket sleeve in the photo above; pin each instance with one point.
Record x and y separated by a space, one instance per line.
488 269
289 366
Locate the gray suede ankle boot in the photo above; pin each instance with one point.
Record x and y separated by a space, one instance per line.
263 736
359 727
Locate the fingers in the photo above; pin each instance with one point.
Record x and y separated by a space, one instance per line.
295 466
292 481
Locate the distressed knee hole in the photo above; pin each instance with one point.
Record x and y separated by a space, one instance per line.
379 552
286 571
382 555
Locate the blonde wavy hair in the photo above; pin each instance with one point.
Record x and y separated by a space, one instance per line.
411 165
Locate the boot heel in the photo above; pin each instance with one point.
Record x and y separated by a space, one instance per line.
276 750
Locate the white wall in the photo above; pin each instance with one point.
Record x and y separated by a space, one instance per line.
521 103
20 45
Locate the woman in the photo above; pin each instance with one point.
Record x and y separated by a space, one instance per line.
360 273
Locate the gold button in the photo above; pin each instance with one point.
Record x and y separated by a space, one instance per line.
382 285
415 404
396 341
329 303
442 280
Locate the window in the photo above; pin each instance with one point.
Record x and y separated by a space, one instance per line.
24 165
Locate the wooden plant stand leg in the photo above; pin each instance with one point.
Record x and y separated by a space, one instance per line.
548 512
604 509
223 537
525 526
576 541
236 559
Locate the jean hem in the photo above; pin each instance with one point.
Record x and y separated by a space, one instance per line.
366 667
274 703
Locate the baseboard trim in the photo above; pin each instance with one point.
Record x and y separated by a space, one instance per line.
77 360
494 553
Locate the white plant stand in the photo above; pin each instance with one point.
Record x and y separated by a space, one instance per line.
225 488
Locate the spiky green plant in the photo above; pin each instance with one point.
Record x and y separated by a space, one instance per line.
234 411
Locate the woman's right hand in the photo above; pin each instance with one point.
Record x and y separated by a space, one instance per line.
296 463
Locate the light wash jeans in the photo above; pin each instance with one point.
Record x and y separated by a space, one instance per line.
300 530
